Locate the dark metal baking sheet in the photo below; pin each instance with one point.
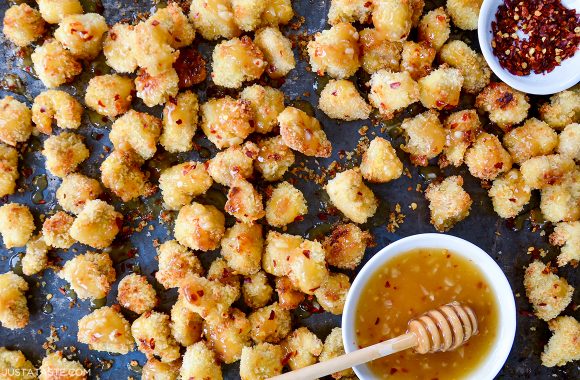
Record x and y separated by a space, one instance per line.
136 251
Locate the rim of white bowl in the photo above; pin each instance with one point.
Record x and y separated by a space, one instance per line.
561 78
488 368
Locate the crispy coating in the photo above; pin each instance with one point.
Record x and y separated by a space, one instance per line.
110 95
509 194
16 224
227 336
335 51
214 19
14 362
120 48
220 271
461 127
569 142
302 347
417 58
266 104
542 171
56 367
58 106
506 106
464 13
351 196
171 18
82 34
97 224
247 13
157 89
256 290
425 137
441 88
279 248
270 324
341 100
199 362
105 329
349 11
417 8
199 227
8 170
138 130
564 345
563 109
209 299
23 24
331 294
261 362
157 370
242 247
448 202
476 74
90 275
377 52
346 245
285 205
236 61
274 158
186 326
226 121
179 122
14 312
434 28
380 162
303 133
175 263
486 159
567 235
152 50
307 267
244 201
36 258
533 138
152 334
136 294
392 92
561 202
54 65
332 348
76 190
277 50
121 173
55 230
393 18
15 121
181 183
548 293
54 11
233 162
64 153
289 297
278 12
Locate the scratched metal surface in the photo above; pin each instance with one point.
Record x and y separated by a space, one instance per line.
482 227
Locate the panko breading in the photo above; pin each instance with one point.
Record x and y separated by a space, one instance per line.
377 52
138 130
121 173
244 201
417 58
425 137
563 109
349 11
36 258
110 95
55 230
288 296
82 34
331 294
533 138
441 88
307 266
220 271
97 224
16 224
341 100
393 18
186 326
15 121
486 159
226 121
270 324
278 12
181 183
448 202
227 336
542 171
120 48
279 248
157 89
214 19
351 196
136 294
302 347
285 205
14 312
434 28
561 202
380 162
392 92
23 24
274 158
242 247
209 299
54 11
179 122
332 348
8 170
569 144
236 61
256 290
152 333
58 106
105 329
247 13
277 50
476 74
152 49
233 162
157 370
303 133
90 275
266 104
199 227
54 65
64 153
16 362
335 51
509 194
564 345
56 366
176 262
464 13
462 127
261 362
76 190
345 246
548 293
567 235
172 19
199 362
506 106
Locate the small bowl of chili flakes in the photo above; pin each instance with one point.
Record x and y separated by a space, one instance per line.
532 45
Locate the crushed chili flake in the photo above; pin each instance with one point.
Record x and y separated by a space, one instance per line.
548 34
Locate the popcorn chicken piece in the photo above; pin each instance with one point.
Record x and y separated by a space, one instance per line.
236 61
157 370
153 51
181 183
567 235
76 190
392 92
425 137
266 104
54 65
8 170
274 158
548 293
542 171
247 13
563 109
199 227
340 100
335 51
346 245
302 347
152 334
261 361
36 258
285 205
277 12
139 131
55 230
15 121
563 347
186 326
14 312
303 133
332 348
157 89
54 11
569 144
349 11
561 202
380 162
270 324
90 275
277 253
476 74
505 105
56 366
331 294
244 202
97 224
110 95
486 159
209 299
377 52
120 48
534 138
462 128
214 19
226 121
105 329
242 247
448 202
277 50
417 58
136 294
23 24
228 336
199 362
441 88
16 362
434 28
59 106
234 161
289 297
351 196
175 263
16 224
464 13
176 23
82 34
307 267
256 290
220 272
64 153
509 194
393 18
121 173
179 122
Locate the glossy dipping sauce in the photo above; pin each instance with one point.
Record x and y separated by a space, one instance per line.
411 284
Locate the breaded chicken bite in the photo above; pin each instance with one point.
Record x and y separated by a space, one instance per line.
270 324
247 13
542 171
55 230
391 92
23 24
441 88
349 11
209 299
380 162
233 162
563 109
279 248
266 104
181 183
179 122
54 65
54 11
226 121
15 361
90 275
274 158
120 48
220 271
110 95
97 224
434 28
172 19
332 348
340 100
548 293
285 205
15 121
351 196
227 336
335 51
16 224
214 19
242 247
289 297
121 173
346 245
244 201
486 159
261 361
303 133
464 13
567 235
175 263
303 348
157 370
509 194
8 170
64 153
236 61
14 312
200 362
59 106
533 138
56 366
461 127
36 258
152 334
569 142
448 202
307 266
377 52
476 74
256 290
277 12
277 50
82 34
136 294
199 227
76 190
417 58
505 105
139 131
152 50
105 329
158 89
331 294
561 202
393 18
186 326
425 137
564 345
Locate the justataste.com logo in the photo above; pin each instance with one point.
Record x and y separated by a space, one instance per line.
51 373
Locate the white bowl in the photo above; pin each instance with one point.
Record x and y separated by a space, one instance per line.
489 367
561 78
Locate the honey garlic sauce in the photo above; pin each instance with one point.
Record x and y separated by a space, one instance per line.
411 284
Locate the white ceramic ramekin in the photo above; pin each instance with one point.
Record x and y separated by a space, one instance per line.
495 277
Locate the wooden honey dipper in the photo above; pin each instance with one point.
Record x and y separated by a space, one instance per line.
438 330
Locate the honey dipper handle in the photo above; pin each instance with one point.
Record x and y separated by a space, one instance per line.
352 359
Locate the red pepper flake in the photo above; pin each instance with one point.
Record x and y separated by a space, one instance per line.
155 23
272 315
306 253
395 85
178 121
101 103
